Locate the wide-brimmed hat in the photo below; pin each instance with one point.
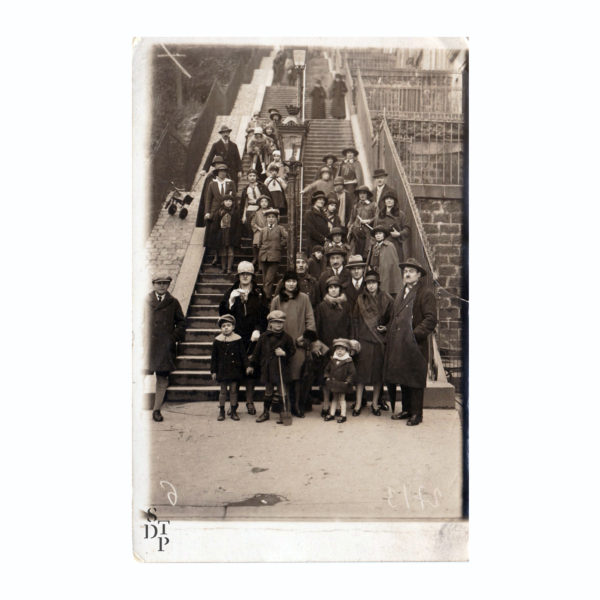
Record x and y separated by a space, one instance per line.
379 173
245 266
341 342
221 167
338 181
330 156
161 277
363 188
385 230
413 262
355 260
218 159
335 231
226 319
318 195
350 149
225 129
372 275
275 112
258 130
336 250
271 110
276 315
271 211
333 280
389 194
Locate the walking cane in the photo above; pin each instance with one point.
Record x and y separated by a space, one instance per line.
285 418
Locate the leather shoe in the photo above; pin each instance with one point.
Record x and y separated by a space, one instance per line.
157 416
355 412
376 412
402 415
250 407
414 420
323 412
341 420
385 406
329 418
263 417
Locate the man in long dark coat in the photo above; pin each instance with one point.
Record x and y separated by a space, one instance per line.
318 95
381 188
164 324
230 153
413 319
315 222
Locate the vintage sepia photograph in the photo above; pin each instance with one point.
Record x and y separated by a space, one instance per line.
300 299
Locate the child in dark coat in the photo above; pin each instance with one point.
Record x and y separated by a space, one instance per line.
227 364
339 377
312 368
273 346
229 231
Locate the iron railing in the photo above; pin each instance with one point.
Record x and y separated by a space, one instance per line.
414 96
364 121
430 147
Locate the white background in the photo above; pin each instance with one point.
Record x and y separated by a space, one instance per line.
66 249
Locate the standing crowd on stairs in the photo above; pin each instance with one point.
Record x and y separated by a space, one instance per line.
354 312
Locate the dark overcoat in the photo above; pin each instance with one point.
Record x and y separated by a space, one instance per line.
411 322
164 326
386 189
400 224
340 375
337 92
316 267
344 278
264 355
348 205
318 95
209 204
228 359
234 235
333 320
317 228
230 155
250 315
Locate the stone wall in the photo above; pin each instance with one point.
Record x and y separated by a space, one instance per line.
443 223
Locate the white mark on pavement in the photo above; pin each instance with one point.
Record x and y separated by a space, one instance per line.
172 495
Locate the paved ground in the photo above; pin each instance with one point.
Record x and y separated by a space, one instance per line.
367 468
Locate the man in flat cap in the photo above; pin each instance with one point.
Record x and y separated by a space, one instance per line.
164 324
229 151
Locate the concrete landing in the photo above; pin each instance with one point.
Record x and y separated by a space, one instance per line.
369 468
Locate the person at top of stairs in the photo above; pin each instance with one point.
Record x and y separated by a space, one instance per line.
229 151
228 363
337 93
351 170
318 95
323 184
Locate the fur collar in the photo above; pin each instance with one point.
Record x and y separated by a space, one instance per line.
234 337
340 361
286 297
336 303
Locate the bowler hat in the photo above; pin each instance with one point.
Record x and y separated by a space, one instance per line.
379 173
355 260
224 129
272 211
226 319
318 195
413 262
350 149
333 280
161 277
372 275
336 250
330 156
218 159
363 188
276 315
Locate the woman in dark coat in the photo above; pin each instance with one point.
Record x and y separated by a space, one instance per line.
337 93
246 301
395 221
315 222
413 318
318 95
369 316
332 316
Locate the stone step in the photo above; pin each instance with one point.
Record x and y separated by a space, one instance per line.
201 335
203 310
206 298
214 288
194 348
195 377
202 322
194 363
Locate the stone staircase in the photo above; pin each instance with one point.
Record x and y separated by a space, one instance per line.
317 68
279 96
